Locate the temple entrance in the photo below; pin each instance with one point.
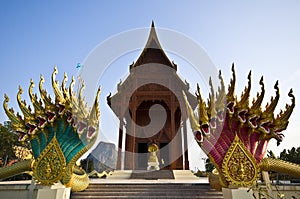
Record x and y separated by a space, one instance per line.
142 156
155 120
150 106
164 155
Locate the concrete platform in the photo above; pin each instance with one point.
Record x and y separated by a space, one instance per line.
32 190
123 176
119 185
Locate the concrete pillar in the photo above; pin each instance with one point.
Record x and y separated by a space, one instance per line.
185 148
119 161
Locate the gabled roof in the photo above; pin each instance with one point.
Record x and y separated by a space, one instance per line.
153 52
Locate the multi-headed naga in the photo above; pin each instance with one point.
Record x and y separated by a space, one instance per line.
235 134
59 132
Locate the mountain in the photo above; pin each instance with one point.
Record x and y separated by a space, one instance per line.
104 157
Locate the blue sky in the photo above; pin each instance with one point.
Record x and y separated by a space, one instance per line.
261 36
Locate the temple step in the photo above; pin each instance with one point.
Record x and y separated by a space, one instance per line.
185 175
148 190
160 174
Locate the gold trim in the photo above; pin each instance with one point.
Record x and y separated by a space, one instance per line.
50 165
239 167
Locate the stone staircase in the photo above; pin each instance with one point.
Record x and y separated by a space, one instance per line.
148 190
154 175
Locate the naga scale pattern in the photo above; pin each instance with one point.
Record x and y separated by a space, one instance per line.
59 132
235 134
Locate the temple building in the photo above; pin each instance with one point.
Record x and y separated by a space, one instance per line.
150 95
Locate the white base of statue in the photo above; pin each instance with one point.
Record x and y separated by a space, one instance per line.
230 193
31 190
153 166
53 192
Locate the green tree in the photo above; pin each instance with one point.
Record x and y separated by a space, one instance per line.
8 139
291 155
87 164
271 154
209 165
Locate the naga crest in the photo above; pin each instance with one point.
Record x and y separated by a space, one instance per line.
235 134
60 131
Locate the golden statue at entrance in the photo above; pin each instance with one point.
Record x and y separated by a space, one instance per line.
153 160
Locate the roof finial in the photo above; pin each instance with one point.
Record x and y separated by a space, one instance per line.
152 24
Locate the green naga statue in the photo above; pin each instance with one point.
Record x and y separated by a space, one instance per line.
235 134
59 132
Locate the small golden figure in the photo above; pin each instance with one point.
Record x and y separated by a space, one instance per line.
153 160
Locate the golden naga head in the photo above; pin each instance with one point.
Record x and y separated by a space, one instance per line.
230 96
239 139
242 106
59 131
255 110
66 105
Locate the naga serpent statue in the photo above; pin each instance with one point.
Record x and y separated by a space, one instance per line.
235 135
59 132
